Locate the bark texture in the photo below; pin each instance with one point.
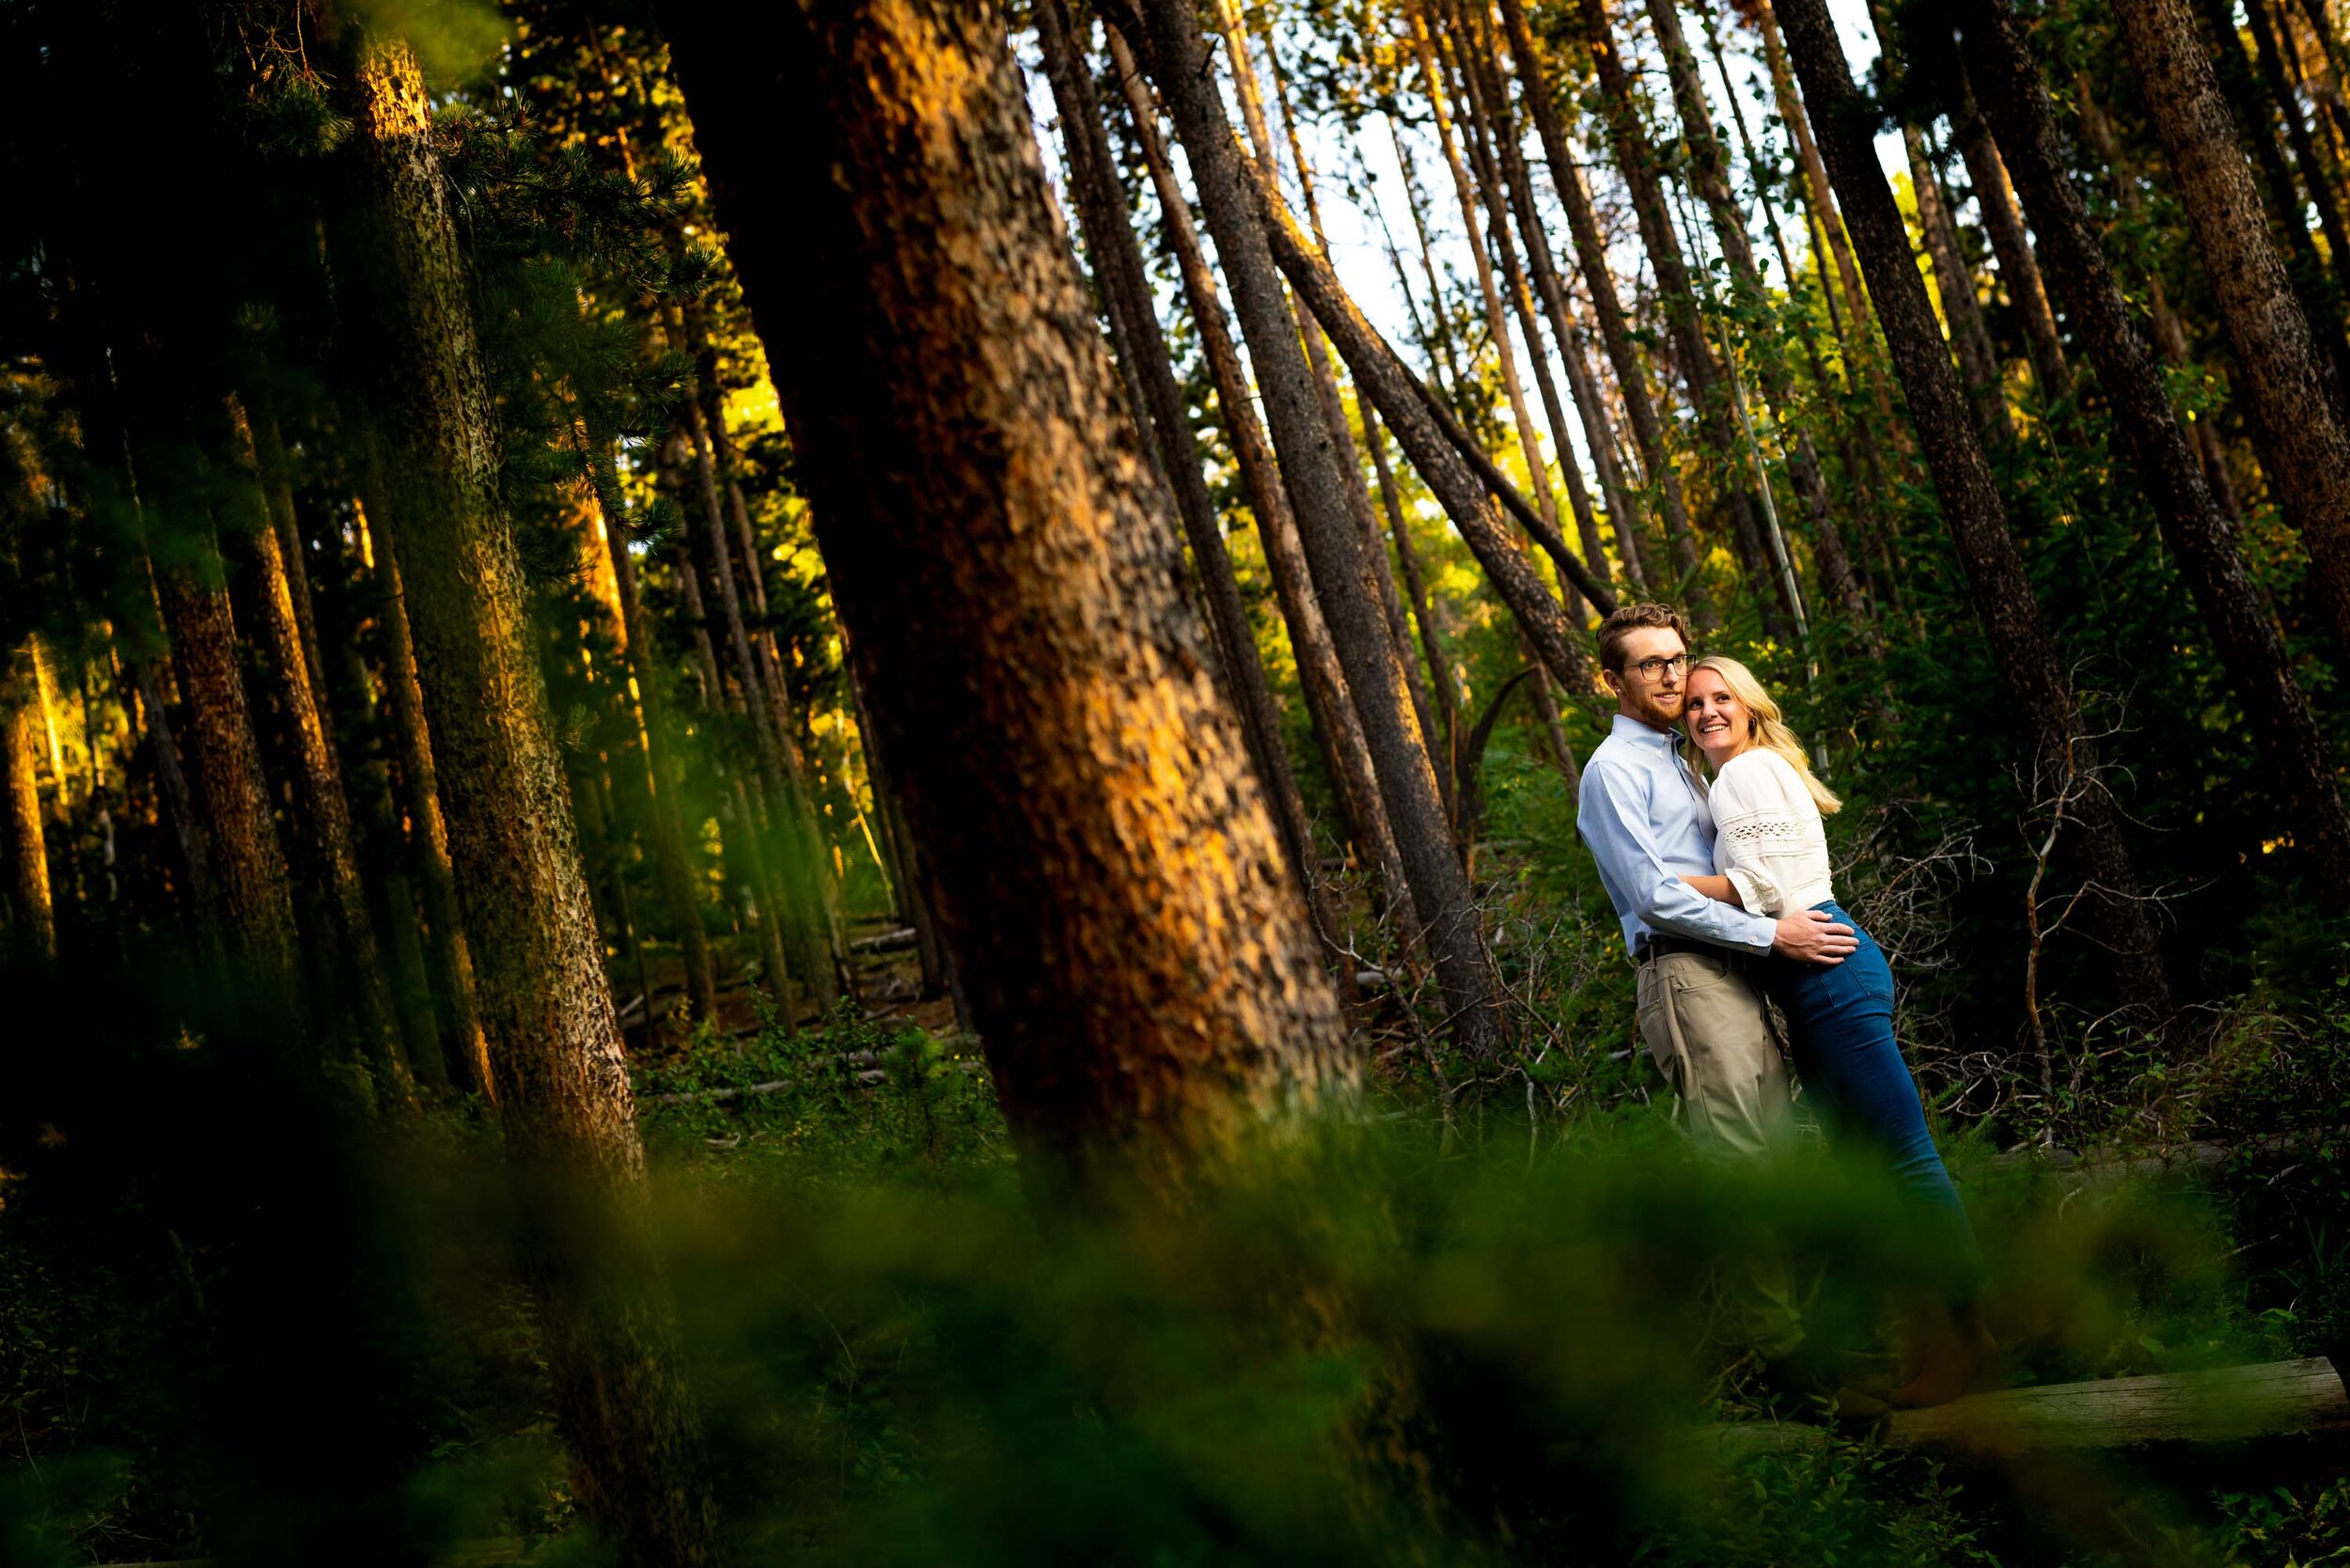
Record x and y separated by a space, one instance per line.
1318 484
545 1003
2026 656
2250 647
1110 877
25 845
1120 271
2286 383
1321 679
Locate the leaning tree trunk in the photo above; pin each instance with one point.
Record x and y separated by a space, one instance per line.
26 846
1440 888
671 866
1954 282
254 543
1615 331
1491 98
1638 162
1995 199
2026 656
545 1001
1708 174
247 861
2170 332
466 1051
2241 628
1319 679
1141 969
1120 270
2295 404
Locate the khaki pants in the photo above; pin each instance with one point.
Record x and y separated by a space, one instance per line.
1705 1024
1706 1027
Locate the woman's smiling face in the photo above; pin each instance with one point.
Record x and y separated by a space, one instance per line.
1717 721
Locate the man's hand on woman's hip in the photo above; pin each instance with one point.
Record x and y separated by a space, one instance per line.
1808 936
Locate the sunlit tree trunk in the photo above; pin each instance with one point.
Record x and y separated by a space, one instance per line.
1995 202
254 543
1120 271
671 865
545 1003
462 1039
26 847
2234 614
2026 655
2285 380
1143 973
1323 681
1334 547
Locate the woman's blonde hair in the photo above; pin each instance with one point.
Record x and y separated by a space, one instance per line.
1770 730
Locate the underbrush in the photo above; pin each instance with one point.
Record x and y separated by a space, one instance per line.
1482 1325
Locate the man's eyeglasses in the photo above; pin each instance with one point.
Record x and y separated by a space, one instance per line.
1654 670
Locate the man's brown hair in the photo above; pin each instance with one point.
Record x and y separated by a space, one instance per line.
1627 618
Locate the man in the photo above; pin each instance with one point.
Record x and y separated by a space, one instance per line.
1643 813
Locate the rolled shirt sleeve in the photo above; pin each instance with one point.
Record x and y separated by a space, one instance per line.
1616 827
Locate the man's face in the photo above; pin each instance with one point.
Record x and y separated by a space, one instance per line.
1655 702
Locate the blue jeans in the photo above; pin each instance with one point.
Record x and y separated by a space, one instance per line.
1841 1023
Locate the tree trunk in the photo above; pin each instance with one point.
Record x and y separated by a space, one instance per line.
1995 199
546 1004
318 776
246 861
1342 578
789 889
26 845
2305 153
1142 971
1336 410
2286 383
1486 78
1821 202
2026 656
1345 754
671 865
1709 394
1445 690
1120 270
2169 334
1707 173
2251 648
1954 281
1467 193
1590 250
818 884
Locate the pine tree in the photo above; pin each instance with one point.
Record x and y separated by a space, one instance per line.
1010 572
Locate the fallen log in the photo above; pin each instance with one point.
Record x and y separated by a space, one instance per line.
2227 1405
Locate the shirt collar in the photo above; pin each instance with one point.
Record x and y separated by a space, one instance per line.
1633 731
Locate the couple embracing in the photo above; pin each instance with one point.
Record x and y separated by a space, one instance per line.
1725 897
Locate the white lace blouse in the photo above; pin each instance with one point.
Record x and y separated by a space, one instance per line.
1768 839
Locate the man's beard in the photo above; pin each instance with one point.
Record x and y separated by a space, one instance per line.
1647 704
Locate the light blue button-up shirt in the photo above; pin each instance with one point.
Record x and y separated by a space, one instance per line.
1645 816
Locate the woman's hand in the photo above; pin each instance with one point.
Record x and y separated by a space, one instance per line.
1717 888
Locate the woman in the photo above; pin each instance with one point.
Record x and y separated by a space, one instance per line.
1770 853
